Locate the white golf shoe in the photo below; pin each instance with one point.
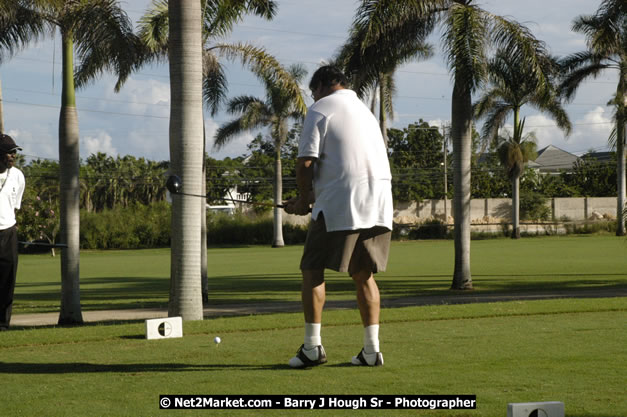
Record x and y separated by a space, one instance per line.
308 357
368 359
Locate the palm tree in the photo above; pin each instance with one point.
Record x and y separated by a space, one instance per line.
514 151
606 37
278 108
511 86
102 35
468 31
186 155
371 68
219 18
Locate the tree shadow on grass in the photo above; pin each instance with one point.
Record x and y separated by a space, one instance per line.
83 367
257 289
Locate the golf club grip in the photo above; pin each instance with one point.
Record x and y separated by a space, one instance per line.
283 207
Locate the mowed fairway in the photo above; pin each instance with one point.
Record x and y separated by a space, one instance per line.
139 279
553 350
570 350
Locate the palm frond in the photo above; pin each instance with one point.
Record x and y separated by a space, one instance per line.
391 21
241 104
282 101
465 41
579 59
495 117
612 139
220 16
484 103
618 131
603 29
510 156
266 67
19 25
606 37
104 39
551 104
518 44
154 27
254 114
529 147
227 132
573 79
214 82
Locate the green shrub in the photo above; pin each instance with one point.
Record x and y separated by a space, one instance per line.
590 228
243 229
135 227
533 206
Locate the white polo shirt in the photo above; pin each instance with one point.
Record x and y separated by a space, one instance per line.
10 196
352 178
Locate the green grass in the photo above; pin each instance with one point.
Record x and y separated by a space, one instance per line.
559 350
140 278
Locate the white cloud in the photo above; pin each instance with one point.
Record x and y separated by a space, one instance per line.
439 123
151 142
593 129
590 131
36 143
151 97
100 143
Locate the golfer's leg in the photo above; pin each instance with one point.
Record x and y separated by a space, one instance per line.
368 298
313 295
311 352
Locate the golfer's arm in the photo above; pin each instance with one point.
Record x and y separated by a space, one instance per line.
304 176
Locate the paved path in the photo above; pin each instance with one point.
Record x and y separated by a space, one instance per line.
47 319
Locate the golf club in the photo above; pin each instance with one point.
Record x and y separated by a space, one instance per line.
47 245
174 185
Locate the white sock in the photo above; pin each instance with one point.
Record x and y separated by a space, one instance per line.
312 335
371 338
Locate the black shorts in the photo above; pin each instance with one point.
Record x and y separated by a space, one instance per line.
345 250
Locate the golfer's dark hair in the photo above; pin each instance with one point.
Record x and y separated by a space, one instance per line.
328 76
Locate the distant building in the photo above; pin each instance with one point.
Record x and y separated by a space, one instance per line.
534 165
601 157
553 160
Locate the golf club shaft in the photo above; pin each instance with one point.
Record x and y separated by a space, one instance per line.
255 203
48 245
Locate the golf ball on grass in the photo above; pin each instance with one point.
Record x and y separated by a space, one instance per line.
217 340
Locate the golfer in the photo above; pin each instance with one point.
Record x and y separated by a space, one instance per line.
11 191
343 169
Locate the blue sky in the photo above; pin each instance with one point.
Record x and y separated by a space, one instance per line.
135 121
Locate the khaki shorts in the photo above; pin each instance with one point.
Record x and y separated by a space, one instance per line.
345 250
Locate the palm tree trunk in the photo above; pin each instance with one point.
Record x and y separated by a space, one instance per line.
186 136
1 110
204 280
516 208
278 197
69 191
621 154
461 135
382 115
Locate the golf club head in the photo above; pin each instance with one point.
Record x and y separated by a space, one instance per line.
174 184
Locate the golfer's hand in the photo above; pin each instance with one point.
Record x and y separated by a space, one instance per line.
297 205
